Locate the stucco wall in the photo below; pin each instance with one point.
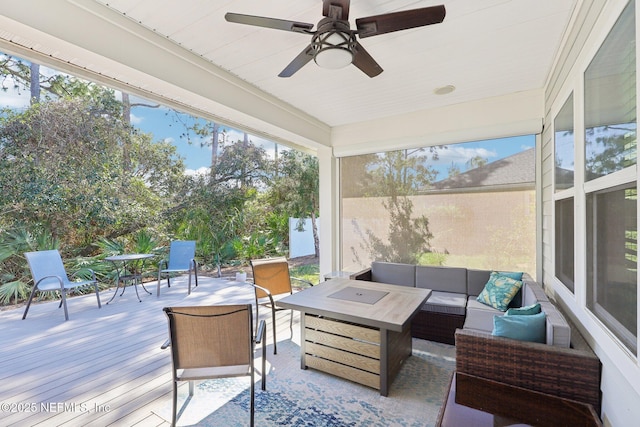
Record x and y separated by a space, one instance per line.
494 230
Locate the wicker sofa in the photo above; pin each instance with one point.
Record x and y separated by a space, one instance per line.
564 366
452 304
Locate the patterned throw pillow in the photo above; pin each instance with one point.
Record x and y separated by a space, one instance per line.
499 291
514 275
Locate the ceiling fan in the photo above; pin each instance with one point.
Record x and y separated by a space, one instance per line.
333 43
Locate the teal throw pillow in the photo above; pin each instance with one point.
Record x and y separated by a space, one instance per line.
499 291
524 311
513 275
531 327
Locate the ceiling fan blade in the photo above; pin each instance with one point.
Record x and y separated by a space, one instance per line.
337 9
261 21
298 62
365 62
396 21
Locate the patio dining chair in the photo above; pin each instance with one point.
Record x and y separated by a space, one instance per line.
214 341
181 259
49 275
271 281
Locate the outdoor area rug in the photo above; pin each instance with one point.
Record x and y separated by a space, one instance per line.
296 397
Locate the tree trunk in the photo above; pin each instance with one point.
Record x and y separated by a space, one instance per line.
276 160
245 145
126 119
35 83
316 238
215 141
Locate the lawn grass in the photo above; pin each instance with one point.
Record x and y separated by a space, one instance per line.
308 272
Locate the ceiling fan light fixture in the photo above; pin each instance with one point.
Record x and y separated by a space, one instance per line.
333 47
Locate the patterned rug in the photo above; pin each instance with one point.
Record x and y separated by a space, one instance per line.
296 397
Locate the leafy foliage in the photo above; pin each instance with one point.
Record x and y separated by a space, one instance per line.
295 189
76 175
71 151
408 238
396 175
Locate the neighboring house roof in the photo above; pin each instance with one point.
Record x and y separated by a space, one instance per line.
515 171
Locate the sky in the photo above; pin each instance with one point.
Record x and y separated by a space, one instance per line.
164 125
491 150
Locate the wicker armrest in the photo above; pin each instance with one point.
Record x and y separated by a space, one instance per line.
564 372
362 275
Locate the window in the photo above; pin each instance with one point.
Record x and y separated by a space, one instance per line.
610 102
564 156
564 146
612 260
564 242
610 175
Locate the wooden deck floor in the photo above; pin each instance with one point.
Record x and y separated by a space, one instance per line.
103 366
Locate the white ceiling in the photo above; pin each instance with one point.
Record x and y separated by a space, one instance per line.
485 48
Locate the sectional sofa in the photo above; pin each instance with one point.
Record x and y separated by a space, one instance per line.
453 305
562 364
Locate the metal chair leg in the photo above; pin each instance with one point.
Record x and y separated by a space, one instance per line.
33 292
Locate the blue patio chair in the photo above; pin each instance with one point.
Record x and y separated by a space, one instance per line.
49 275
182 255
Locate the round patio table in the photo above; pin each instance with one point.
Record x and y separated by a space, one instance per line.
130 275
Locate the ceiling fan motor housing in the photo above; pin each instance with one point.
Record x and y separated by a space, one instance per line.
333 44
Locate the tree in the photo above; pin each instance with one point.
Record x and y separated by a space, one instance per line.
610 148
19 75
408 238
296 189
70 151
211 135
396 175
476 162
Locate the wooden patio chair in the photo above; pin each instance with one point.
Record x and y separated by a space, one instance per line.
49 275
182 254
272 280
213 342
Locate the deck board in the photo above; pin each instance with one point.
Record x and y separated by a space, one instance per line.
101 357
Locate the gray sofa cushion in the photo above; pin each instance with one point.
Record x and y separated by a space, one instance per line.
446 302
444 279
480 316
393 273
532 292
476 279
558 330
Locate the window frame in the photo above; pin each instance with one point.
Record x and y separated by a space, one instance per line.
615 180
564 194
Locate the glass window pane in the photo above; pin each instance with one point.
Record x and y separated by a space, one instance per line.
564 242
610 101
564 146
612 260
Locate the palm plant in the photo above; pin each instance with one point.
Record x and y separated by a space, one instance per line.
16 276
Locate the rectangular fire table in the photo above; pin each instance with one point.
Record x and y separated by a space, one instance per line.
357 330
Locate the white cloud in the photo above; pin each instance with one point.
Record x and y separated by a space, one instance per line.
463 154
136 120
200 171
